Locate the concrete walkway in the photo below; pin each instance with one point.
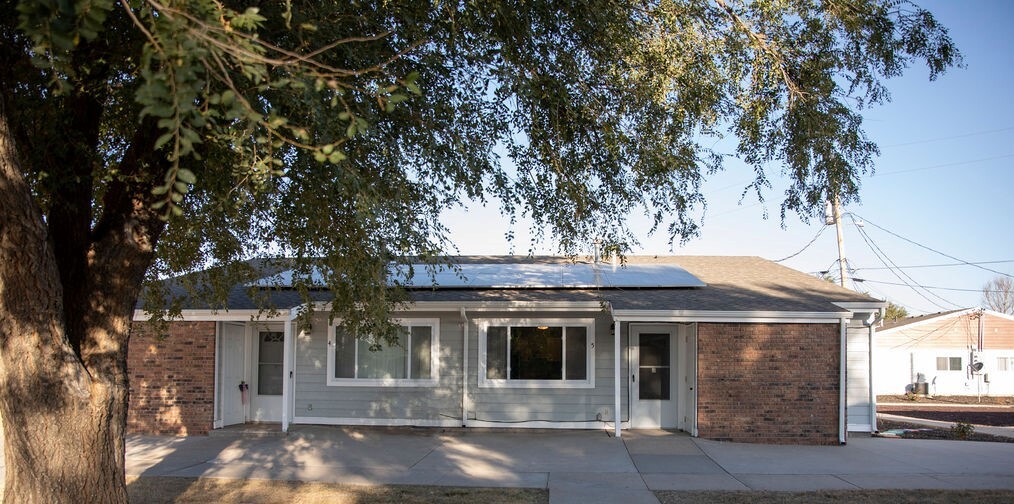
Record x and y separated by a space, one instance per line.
576 466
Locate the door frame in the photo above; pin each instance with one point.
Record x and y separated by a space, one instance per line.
652 413
682 413
260 408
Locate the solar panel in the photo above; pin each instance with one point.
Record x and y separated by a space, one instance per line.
530 276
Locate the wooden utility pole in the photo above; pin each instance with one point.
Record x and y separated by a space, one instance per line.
842 267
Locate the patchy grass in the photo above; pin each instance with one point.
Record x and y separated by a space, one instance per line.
840 496
157 490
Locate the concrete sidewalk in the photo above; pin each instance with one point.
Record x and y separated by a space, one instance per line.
576 466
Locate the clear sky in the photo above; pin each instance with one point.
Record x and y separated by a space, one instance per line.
944 181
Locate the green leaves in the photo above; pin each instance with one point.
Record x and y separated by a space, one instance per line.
340 131
56 28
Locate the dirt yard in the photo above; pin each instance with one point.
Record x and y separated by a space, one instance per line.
994 411
996 400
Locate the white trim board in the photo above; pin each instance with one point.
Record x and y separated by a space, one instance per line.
378 422
726 316
219 316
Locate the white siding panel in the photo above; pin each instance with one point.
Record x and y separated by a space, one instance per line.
858 378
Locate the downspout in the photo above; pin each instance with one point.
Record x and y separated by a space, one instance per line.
842 382
872 323
217 422
287 374
464 370
617 331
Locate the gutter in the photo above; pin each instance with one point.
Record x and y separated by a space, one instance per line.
464 369
872 324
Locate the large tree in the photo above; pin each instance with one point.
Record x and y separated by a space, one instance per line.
141 139
998 295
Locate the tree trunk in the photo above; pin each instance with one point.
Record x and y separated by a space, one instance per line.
64 413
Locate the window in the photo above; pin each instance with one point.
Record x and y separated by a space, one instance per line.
270 348
949 364
536 353
1004 363
411 361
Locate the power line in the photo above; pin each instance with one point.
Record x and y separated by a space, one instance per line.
942 265
944 165
952 137
958 289
804 246
892 267
930 248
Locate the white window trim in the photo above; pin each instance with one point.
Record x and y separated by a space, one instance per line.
432 381
949 370
588 323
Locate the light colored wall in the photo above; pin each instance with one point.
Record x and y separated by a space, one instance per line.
509 405
314 399
895 369
903 353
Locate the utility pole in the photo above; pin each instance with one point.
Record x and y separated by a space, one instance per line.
842 267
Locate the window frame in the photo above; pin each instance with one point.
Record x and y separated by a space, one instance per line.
1008 364
409 323
587 323
950 360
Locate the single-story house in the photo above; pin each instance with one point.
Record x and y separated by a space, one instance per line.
725 348
941 353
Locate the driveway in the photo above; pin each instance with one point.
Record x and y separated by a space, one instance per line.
576 466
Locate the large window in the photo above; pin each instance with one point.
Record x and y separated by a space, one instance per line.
411 361
536 353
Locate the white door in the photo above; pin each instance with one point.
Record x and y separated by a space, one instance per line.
653 365
233 360
266 388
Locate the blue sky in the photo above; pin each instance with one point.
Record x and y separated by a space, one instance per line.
943 181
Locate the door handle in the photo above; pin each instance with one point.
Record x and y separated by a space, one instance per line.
633 378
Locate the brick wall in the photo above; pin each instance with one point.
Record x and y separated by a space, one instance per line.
172 379
768 383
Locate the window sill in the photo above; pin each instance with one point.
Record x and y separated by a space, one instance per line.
372 382
536 384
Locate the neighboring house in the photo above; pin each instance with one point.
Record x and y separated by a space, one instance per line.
726 348
940 350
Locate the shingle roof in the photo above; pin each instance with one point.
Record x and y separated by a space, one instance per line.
919 318
734 283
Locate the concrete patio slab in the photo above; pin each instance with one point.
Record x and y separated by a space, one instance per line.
576 466
677 464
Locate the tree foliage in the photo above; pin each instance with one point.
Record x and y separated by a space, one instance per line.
153 138
337 133
998 295
894 312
